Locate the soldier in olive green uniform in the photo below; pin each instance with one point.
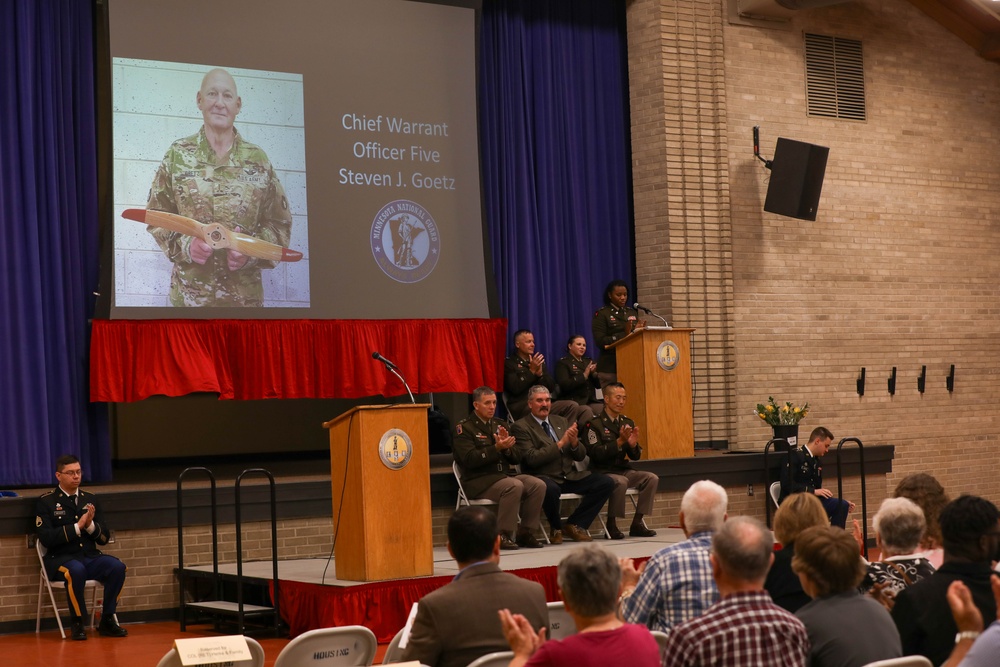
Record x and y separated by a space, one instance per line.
576 376
486 454
523 370
215 176
610 324
612 439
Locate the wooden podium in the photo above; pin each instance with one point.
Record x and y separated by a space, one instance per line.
654 364
385 519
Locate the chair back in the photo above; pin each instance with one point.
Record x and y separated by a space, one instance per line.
775 491
561 624
346 646
173 659
498 659
393 653
905 661
661 640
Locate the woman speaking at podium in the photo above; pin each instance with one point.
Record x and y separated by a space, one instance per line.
612 323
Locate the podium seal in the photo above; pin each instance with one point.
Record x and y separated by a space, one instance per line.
667 355
395 449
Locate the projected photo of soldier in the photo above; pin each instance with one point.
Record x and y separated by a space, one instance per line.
216 177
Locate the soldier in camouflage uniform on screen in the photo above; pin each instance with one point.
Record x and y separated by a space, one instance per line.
217 176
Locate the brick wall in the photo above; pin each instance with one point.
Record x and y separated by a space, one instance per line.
898 270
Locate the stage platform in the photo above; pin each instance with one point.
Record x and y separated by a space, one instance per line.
312 597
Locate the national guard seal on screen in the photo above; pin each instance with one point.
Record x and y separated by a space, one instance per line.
395 448
405 241
667 355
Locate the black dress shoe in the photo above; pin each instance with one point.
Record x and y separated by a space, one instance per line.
506 542
615 533
109 628
79 633
640 531
526 539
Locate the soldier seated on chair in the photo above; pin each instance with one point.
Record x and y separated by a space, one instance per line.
612 439
71 526
486 454
549 446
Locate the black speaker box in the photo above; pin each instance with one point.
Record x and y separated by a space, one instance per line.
796 179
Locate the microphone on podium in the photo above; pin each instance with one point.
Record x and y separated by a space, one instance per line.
388 364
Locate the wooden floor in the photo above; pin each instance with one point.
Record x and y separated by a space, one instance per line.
145 645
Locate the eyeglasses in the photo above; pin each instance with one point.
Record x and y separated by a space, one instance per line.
71 473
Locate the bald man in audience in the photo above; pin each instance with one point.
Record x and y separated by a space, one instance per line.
745 627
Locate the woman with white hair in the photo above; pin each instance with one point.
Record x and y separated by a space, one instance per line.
899 528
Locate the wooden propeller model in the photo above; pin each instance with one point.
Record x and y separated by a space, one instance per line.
214 235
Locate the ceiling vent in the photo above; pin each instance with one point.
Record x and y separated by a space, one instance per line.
835 77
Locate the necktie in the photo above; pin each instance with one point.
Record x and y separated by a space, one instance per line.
548 430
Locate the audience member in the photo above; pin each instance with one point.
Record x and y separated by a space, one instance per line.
846 628
486 455
899 526
549 446
805 474
457 623
612 439
927 492
973 646
798 512
744 627
589 580
71 525
970 535
676 584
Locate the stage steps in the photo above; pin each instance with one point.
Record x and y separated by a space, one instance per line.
218 609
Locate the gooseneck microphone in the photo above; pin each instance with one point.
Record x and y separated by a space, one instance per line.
639 306
388 364
642 308
394 369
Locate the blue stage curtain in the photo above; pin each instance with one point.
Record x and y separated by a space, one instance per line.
554 129
48 240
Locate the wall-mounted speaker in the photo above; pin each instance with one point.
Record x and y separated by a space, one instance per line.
796 179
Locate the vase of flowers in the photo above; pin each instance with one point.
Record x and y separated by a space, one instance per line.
783 420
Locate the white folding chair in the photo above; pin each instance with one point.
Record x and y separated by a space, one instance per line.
563 497
498 659
775 491
172 659
346 646
393 653
661 640
44 584
462 498
561 624
905 661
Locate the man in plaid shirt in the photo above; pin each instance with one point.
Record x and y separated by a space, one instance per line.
676 584
745 627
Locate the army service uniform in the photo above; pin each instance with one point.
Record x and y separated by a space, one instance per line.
488 473
610 325
240 190
518 379
601 437
75 558
804 474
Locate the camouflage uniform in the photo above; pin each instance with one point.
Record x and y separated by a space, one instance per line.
240 190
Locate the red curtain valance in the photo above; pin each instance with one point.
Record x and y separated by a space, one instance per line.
252 359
